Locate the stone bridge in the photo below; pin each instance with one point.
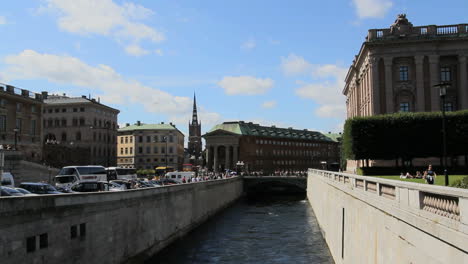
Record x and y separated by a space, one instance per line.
275 184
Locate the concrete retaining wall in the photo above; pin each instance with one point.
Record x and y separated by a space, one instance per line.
26 171
371 220
107 227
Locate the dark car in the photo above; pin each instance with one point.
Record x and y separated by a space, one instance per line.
39 188
92 186
6 191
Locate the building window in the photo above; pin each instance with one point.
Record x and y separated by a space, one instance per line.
131 139
121 151
64 122
75 110
131 150
155 138
448 107
140 139
64 136
2 102
171 138
33 109
121 140
78 136
126 140
404 107
19 124
33 127
445 74
148 150
31 244
2 123
43 240
163 150
64 110
126 150
171 150
57 123
81 109
155 149
148 138
403 73
82 121
140 150
19 107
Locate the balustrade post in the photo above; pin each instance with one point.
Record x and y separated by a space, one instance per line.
463 207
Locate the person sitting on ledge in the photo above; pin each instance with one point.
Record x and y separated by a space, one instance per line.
408 175
418 175
402 176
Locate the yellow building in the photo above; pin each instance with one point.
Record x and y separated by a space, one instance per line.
146 146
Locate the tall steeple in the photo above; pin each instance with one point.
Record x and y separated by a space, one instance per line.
194 113
195 143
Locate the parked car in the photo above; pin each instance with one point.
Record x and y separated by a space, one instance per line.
25 192
39 188
90 186
114 186
8 180
7 191
128 184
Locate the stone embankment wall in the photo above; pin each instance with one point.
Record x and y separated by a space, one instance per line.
371 220
107 227
26 171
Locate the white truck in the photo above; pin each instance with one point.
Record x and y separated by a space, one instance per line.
69 175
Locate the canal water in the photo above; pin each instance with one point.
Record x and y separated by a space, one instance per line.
274 230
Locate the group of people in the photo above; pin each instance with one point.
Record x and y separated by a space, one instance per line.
429 175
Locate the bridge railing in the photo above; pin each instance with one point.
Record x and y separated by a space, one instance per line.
445 205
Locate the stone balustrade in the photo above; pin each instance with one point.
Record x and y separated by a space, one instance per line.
421 32
446 203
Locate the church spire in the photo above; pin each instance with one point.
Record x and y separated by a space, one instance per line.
194 114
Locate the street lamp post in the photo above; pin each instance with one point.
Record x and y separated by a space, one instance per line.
2 162
240 164
165 152
16 130
442 93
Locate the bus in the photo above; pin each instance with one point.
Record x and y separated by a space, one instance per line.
70 174
117 173
163 170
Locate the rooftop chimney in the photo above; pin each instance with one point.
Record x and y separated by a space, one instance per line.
44 94
127 124
162 123
138 123
83 96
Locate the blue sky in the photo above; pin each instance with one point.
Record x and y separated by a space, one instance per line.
271 62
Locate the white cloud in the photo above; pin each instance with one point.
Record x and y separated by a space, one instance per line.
3 20
246 85
372 8
159 52
294 65
249 44
269 104
136 50
108 84
104 17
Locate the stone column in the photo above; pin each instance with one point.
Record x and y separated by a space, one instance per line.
215 158
375 86
235 150
388 61
435 79
463 86
228 159
420 97
208 160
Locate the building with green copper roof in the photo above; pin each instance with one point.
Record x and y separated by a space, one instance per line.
267 148
147 146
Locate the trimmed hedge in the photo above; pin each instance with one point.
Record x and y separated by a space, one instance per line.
405 135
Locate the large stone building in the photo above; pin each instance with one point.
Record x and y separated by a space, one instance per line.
147 146
79 131
20 121
397 69
267 149
195 139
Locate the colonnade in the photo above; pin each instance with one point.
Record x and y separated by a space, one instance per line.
221 157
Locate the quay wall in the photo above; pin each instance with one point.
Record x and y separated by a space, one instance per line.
371 220
107 227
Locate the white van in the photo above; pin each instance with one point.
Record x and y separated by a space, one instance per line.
8 180
179 175
70 174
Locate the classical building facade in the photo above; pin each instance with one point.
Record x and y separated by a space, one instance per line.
147 146
79 125
194 141
21 121
267 149
397 69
